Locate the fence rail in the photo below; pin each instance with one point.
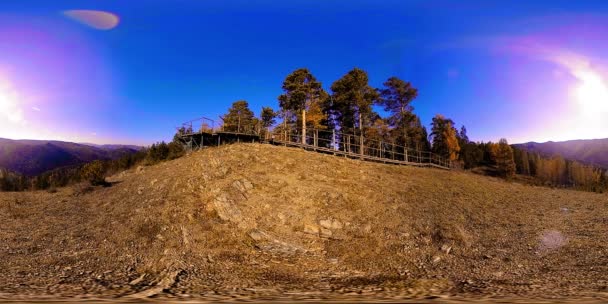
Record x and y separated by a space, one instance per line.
357 146
327 141
210 126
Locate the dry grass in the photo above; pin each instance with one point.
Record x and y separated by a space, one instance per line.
389 226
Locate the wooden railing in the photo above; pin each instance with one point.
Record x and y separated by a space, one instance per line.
327 141
357 146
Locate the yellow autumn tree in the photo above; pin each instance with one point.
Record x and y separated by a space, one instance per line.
445 139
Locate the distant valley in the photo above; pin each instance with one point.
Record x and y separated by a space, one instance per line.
591 151
32 157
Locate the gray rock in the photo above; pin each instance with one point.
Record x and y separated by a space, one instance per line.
226 209
311 229
242 185
138 280
326 233
257 235
331 224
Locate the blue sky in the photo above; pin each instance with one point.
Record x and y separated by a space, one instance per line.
524 70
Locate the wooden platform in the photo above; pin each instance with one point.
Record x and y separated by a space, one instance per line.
205 139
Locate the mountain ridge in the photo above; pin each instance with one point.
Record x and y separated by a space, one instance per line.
33 157
588 151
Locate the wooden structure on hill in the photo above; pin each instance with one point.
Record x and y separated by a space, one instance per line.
203 132
207 133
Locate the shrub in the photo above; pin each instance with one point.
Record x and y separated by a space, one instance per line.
94 173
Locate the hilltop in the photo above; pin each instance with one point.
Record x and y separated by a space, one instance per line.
261 221
33 157
590 151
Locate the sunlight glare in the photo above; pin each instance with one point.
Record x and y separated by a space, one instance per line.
9 109
592 94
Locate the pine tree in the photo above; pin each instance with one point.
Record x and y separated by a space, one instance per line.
396 97
239 118
353 98
301 92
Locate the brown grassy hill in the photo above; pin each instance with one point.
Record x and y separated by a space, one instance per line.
262 221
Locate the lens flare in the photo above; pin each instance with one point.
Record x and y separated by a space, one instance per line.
96 19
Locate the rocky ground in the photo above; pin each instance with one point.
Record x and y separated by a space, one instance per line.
264 222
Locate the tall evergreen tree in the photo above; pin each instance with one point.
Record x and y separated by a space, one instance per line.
353 98
268 119
301 90
396 97
239 118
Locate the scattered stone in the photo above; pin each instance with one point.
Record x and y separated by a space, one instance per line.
282 218
138 280
326 233
257 235
226 209
243 185
446 249
165 283
223 171
436 259
140 190
331 224
311 229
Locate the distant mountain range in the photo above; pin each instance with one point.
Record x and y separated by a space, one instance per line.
591 151
32 157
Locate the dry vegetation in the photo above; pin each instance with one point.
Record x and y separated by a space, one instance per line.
263 221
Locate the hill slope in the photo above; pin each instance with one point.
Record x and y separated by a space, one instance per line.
263 221
593 151
32 157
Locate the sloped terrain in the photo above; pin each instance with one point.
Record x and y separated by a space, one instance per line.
261 221
33 157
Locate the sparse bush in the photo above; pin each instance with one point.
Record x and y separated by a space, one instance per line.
176 150
94 173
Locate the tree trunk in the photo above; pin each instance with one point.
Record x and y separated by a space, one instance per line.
360 133
304 126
